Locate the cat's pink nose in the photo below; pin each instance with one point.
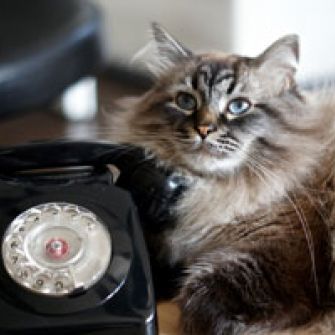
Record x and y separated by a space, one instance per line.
205 130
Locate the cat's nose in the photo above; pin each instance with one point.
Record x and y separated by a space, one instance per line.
205 130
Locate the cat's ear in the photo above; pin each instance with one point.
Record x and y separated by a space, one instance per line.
167 45
277 65
163 52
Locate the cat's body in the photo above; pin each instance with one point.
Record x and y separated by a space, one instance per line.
254 228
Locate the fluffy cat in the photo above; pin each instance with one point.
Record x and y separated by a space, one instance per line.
254 229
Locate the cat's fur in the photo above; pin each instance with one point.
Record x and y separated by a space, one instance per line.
254 229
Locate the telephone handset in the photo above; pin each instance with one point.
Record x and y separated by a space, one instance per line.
154 189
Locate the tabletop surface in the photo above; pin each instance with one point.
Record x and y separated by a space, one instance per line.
168 318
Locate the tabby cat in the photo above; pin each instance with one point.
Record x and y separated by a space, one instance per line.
254 228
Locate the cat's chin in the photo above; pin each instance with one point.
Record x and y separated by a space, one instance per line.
211 162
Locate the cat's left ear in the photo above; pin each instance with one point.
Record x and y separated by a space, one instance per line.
278 64
163 52
167 45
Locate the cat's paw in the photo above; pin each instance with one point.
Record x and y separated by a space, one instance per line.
231 294
211 305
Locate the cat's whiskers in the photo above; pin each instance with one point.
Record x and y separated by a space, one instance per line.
302 189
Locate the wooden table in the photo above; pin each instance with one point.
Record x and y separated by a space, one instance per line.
168 318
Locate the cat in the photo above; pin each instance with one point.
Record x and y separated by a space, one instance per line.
254 228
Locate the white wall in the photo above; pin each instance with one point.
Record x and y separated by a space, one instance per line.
257 23
201 24
241 26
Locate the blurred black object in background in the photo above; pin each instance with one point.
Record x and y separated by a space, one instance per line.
45 45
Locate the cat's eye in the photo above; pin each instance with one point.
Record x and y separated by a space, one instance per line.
238 106
186 101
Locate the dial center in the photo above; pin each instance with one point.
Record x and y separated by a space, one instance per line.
57 248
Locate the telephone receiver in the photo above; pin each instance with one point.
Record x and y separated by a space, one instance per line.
154 189
73 256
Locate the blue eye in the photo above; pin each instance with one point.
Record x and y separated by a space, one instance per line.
238 106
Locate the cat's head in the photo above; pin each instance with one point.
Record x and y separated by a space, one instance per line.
214 113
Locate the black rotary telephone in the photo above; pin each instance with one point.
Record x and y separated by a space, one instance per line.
73 257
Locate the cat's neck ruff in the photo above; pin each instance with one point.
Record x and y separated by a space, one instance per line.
219 203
